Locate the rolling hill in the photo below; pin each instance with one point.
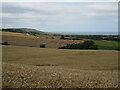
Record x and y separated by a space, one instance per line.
24 39
24 65
23 30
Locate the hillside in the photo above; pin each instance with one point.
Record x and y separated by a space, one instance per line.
23 39
23 30
25 65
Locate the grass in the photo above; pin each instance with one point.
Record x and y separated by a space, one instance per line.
107 45
29 67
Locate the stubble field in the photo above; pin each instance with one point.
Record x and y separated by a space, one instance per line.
30 67
21 39
25 65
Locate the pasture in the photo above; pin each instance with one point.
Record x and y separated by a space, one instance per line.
107 45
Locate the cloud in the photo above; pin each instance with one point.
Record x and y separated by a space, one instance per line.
53 17
60 0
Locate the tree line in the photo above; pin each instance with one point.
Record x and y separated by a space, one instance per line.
85 45
93 37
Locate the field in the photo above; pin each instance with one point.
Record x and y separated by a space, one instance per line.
107 45
20 39
25 65
30 67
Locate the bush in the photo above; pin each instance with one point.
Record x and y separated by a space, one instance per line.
62 37
5 43
54 35
67 35
42 46
84 45
88 45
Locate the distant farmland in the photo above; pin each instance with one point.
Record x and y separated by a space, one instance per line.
26 65
22 39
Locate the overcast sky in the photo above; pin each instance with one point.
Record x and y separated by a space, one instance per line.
61 16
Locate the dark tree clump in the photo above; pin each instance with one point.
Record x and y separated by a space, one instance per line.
42 46
62 37
5 43
85 45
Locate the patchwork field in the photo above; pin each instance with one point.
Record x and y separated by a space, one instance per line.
25 65
30 67
22 39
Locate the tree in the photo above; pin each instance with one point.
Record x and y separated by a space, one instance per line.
85 45
42 46
5 43
67 35
62 37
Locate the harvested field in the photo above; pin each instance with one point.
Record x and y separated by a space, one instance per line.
29 67
21 39
28 76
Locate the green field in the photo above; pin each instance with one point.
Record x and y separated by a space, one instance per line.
107 45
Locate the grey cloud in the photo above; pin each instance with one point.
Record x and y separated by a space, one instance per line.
46 17
12 8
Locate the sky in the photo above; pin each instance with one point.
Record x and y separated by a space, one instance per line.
61 16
